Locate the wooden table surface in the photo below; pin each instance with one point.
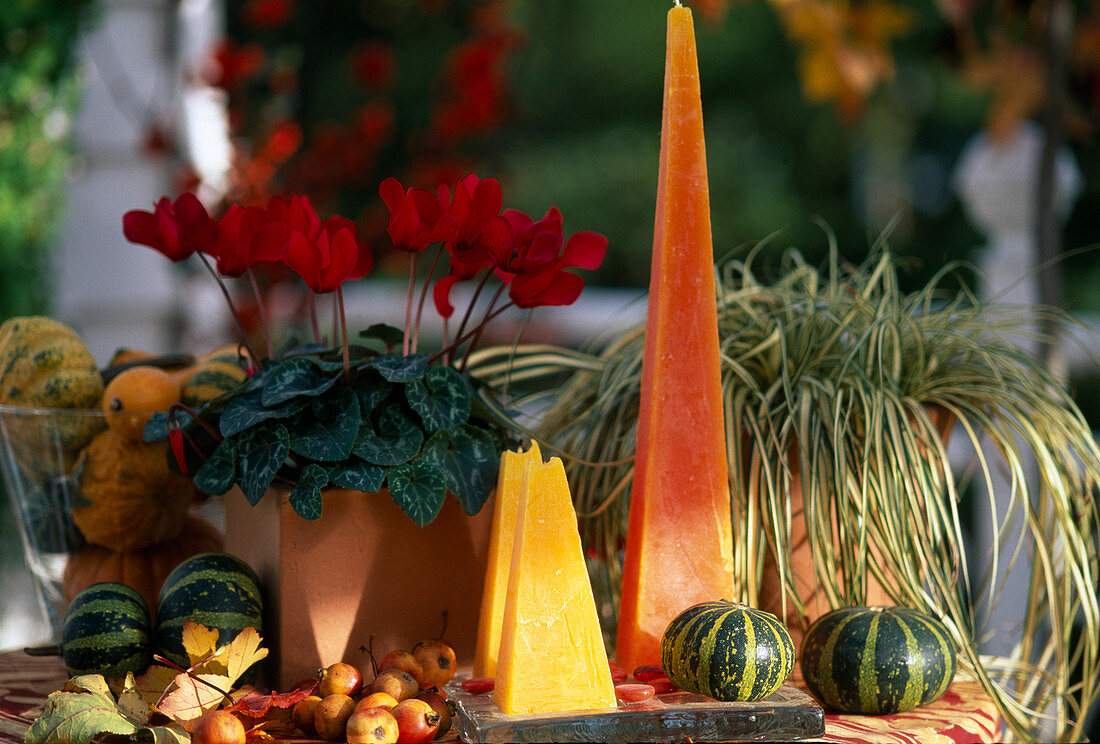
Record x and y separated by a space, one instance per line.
964 715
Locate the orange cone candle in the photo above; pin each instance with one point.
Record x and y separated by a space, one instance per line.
679 537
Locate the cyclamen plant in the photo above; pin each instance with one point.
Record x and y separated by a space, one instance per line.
358 416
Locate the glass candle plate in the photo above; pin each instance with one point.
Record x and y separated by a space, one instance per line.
787 715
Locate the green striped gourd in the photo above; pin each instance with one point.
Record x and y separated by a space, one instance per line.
107 631
877 660
211 378
215 589
727 651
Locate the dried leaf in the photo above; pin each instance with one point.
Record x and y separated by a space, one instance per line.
258 705
76 717
132 704
156 679
93 716
192 698
96 683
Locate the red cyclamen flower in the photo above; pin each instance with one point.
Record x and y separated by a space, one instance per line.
245 238
479 232
536 266
476 202
176 230
417 217
328 259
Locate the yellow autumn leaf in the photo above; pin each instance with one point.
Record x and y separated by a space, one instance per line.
242 653
199 641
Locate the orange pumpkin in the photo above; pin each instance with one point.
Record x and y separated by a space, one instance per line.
129 498
143 570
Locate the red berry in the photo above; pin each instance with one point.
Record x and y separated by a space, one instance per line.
618 674
634 693
478 685
646 672
663 685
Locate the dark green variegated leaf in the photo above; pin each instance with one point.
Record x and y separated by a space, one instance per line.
470 461
156 428
328 432
372 390
441 397
246 410
397 368
218 474
419 488
387 334
392 438
296 377
305 497
329 365
357 475
260 453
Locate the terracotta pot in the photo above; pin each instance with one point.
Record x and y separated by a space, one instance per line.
806 583
363 575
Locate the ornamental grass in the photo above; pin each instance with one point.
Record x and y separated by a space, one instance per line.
839 377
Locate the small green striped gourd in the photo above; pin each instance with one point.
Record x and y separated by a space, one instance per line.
211 378
727 651
107 631
215 589
877 660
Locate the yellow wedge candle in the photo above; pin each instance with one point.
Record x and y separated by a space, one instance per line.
513 470
552 656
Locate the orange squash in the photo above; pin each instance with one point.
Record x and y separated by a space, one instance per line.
134 395
129 498
143 570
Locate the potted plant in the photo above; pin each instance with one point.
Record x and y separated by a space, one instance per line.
841 391
338 458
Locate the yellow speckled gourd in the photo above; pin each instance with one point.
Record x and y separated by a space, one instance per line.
45 364
129 498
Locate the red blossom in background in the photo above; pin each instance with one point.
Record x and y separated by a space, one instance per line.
373 65
476 85
232 64
267 13
176 229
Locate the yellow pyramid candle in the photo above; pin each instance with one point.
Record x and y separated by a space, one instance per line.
510 484
679 537
552 657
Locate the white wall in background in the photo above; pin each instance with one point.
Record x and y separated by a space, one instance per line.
998 186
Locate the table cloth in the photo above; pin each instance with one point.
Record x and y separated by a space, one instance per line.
964 715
